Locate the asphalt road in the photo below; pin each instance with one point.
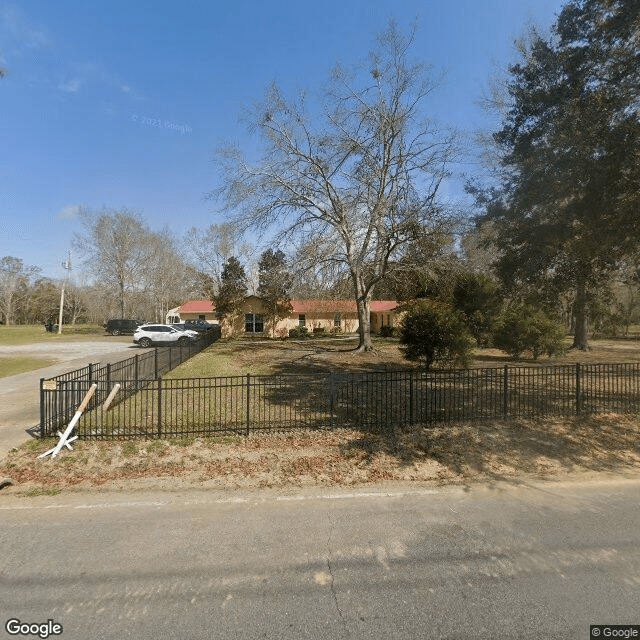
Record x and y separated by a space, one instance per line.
537 561
20 395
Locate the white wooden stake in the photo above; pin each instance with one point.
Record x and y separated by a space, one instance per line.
110 397
64 438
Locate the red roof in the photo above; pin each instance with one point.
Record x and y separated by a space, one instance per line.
344 306
197 306
301 306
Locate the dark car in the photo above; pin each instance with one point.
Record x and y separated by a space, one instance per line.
200 326
120 327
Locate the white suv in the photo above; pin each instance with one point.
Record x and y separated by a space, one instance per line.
161 334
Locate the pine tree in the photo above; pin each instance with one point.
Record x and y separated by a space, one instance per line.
274 284
233 288
565 212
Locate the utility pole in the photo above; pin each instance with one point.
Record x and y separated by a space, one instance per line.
67 266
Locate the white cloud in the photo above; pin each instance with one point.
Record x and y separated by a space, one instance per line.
70 212
17 34
71 86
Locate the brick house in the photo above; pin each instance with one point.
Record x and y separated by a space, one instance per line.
336 315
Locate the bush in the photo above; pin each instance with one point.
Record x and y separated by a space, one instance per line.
318 332
299 333
527 329
435 333
388 332
477 296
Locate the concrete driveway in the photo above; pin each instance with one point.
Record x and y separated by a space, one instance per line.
19 395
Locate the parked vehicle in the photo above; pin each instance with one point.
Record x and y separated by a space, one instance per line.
180 326
201 326
119 327
148 335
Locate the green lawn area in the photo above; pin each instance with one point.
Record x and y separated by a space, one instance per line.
240 357
28 334
13 366
221 360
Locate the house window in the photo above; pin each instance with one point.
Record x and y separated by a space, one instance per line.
337 320
253 323
202 317
301 320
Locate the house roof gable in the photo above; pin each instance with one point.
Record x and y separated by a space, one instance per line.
197 306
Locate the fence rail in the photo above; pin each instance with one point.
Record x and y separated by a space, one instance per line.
383 400
61 395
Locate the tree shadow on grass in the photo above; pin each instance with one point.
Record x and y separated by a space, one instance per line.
310 391
504 450
498 449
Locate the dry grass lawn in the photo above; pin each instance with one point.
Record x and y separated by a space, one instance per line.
453 454
510 450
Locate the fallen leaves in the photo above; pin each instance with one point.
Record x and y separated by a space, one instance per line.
441 453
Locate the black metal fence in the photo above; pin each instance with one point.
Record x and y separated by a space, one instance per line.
61 395
372 401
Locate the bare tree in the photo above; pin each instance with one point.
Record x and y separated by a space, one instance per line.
117 249
15 278
167 276
359 173
212 247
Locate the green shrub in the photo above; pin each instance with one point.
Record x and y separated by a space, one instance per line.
298 333
524 328
318 332
432 332
388 331
478 297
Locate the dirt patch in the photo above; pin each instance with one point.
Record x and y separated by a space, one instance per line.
452 454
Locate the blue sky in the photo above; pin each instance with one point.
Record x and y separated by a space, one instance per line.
119 103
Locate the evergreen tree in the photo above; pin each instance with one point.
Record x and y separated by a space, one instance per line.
566 209
233 288
274 284
478 298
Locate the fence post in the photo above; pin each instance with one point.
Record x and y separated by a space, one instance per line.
248 401
155 363
410 397
159 407
505 395
42 407
108 377
578 407
331 392
135 369
91 373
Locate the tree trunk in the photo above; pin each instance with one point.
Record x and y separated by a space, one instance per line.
122 300
580 335
364 327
